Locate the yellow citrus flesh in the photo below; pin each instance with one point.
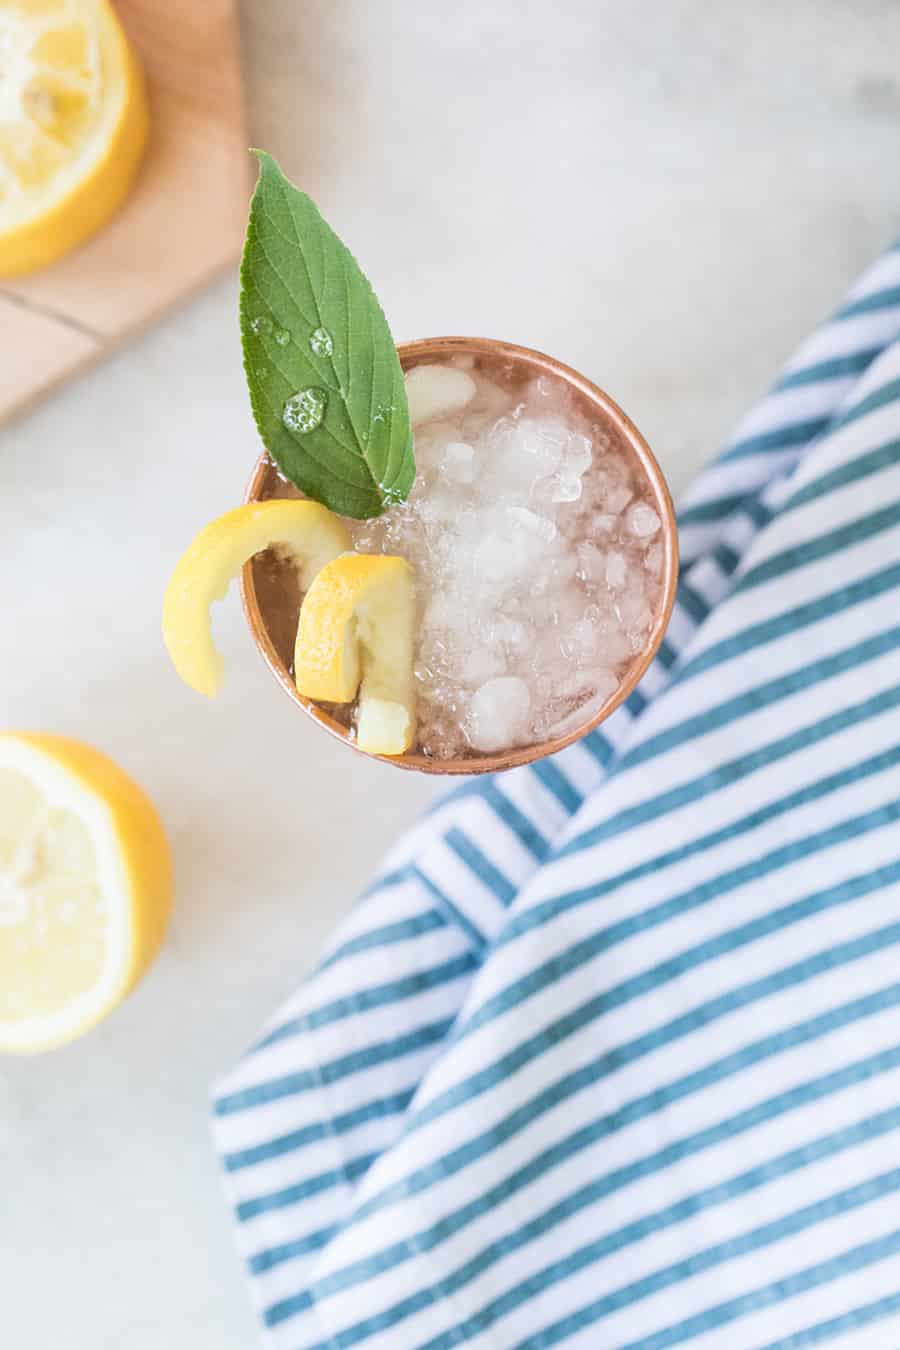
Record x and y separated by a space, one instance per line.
73 125
307 530
85 889
356 632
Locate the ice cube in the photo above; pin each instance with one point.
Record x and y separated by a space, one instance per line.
587 638
546 439
571 518
511 633
482 664
561 570
616 569
591 563
551 430
500 434
436 391
585 713
643 520
511 471
615 647
565 489
541 390
532 450
456 699
532 522
631 603
498 560
587 680
429 442
458 462
437 509
438 690
578 456
554 575
441 612
489 397
602 523
499 714
567 605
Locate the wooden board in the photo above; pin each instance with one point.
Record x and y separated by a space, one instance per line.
183 223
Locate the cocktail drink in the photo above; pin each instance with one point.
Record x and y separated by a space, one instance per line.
536 533
478 601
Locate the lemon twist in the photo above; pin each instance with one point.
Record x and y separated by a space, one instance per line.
309 531
356 634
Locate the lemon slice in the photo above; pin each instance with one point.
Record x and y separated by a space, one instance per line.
85 889
73 123
309 531
356 632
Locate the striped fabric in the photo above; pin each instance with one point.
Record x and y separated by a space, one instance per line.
609 1055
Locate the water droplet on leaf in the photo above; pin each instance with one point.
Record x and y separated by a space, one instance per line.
261 325
321 342
305 410
282 337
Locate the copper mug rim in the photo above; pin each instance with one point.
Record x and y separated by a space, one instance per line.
412 353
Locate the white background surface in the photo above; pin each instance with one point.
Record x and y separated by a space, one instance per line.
667 196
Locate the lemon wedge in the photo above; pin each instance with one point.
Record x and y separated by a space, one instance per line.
85 889
309 531
73 123
355 635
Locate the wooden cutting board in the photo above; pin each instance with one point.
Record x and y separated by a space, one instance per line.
183 223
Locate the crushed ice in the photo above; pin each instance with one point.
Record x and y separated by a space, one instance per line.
537 557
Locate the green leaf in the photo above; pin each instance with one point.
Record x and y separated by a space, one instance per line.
325 382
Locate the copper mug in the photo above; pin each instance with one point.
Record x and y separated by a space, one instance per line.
274 624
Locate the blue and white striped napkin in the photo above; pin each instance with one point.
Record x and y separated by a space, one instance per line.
609 1055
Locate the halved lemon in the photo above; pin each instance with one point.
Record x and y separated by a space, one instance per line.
309 531
85 889
73 124
356 632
